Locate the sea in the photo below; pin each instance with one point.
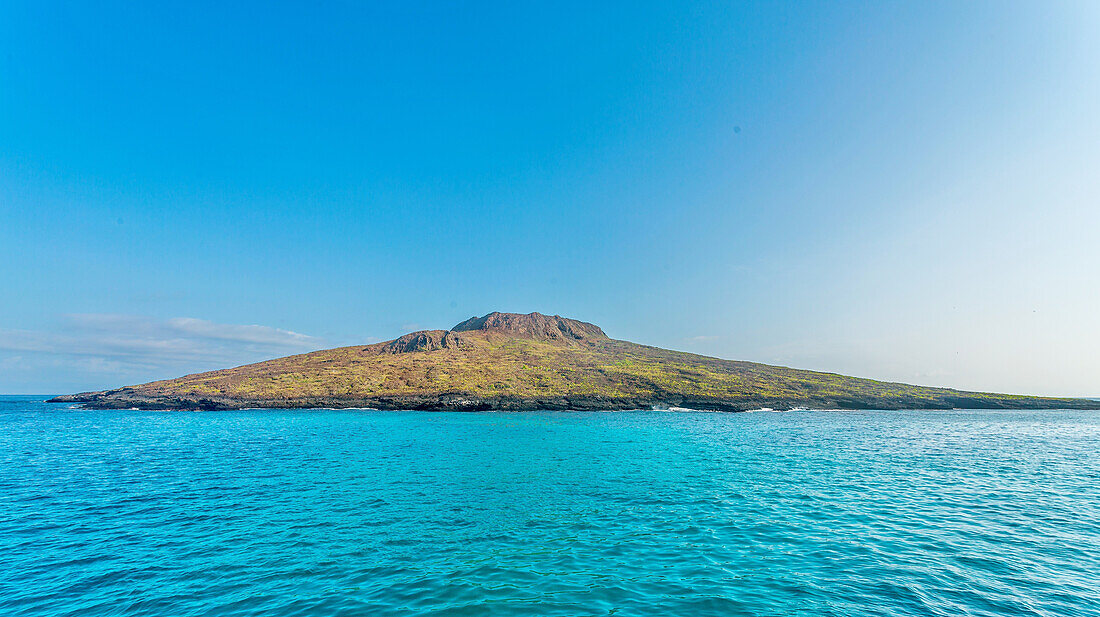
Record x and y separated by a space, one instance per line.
379 513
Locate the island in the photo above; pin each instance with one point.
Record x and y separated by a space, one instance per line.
515 362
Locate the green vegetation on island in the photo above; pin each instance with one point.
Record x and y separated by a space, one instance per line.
512 362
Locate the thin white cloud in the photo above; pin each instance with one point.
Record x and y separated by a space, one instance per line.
249 334
134 347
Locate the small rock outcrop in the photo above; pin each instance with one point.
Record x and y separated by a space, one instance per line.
425 340
533 325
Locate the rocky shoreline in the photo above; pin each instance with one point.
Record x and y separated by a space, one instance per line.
123 399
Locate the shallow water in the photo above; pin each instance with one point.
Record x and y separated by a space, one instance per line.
636 513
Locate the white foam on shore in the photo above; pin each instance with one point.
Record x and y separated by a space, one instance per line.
685 409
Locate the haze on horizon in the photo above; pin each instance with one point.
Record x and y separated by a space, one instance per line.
898 191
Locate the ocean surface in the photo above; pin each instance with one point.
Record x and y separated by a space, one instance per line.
280 513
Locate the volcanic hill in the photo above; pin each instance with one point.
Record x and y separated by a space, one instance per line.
513 362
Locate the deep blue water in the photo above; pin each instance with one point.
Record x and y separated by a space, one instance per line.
639 513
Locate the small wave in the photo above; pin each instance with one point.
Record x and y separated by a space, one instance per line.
683 409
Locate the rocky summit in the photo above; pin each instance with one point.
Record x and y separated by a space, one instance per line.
515 362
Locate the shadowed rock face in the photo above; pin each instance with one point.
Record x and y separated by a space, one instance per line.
512 362
426 340
533 325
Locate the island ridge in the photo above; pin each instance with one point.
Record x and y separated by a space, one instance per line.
514 362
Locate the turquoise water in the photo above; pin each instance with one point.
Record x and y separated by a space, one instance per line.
637 513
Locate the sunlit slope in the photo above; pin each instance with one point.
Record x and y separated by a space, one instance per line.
514 365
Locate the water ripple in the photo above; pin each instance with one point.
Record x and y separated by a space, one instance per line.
385 513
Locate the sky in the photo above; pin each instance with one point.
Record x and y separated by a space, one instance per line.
903 191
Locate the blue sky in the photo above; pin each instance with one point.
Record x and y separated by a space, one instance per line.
905 191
